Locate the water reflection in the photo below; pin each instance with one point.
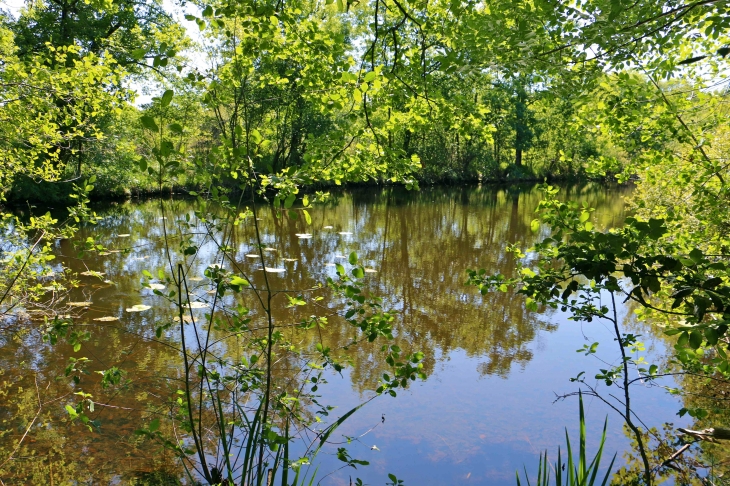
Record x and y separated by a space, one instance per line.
419 245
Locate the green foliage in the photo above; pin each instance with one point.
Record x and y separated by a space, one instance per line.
576 473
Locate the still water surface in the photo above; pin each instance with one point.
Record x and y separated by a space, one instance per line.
486 409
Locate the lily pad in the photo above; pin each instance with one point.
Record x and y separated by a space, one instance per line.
251 255
156 286
199 305
290 259
344 233
328 227
79 304
106 319
92 273
303 235
124 235
330 264
274 270
370 270
270 249
138 308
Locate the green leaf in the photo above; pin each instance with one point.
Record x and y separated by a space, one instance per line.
353 258
139 54
370 76
175 128
239 281
166 98
154 425
691 60
307 217
696 255
289 201
358 272
149 123
695 339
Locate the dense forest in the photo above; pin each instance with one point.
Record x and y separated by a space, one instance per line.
235 103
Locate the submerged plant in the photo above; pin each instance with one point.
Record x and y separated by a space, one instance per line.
571 473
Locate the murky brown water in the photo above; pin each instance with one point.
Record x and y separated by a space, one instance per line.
493 368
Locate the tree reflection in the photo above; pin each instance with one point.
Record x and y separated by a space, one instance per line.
418 243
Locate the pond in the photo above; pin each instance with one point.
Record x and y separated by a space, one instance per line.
494 370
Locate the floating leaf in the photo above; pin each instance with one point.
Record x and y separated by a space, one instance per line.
370 270
187 319
123 235
344 233
138 308
330 264
304 235
79 304
290 259
106 319
340 256
274 270
92 273
195 279
251 255
270 249
328 227
156 286
199 305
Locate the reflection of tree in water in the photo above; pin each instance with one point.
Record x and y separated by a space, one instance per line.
419 243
